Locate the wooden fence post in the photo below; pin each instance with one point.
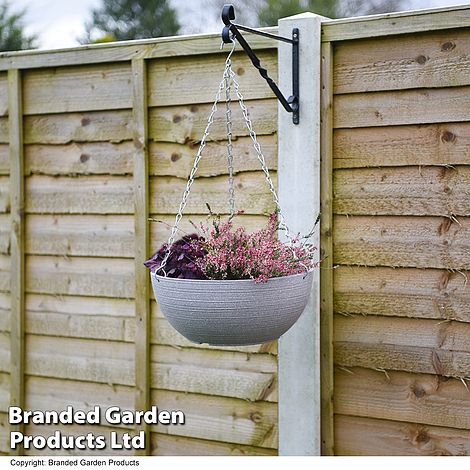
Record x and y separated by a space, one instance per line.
141 214
299 193
17 336
326 250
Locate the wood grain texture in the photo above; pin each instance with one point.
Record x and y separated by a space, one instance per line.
4 273
414 190
165 158
4 392
4 194
79 235
419 293
366 436
4 160
426 144
4 234
220 419
251 194
113 126
141 241
17 243
76 430
396 241
390 24
79 88
80 195
164 445
4 434
421 106
424 60
174 80
402 396
326 251
108 236
114 195
172 124
94 277
183 124
80 395
5 359
112 363
231 420
415 345
124 51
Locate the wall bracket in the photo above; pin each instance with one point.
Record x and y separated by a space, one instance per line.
232 30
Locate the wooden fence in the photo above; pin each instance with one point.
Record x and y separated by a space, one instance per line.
401 234
95 140
108 139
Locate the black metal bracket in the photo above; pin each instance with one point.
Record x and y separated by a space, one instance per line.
232 30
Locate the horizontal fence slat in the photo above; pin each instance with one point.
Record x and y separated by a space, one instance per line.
162 445
80 235
94 277
368 436
402 396
165 158
415 345
112 362
171 124
183 124
422 106
175 80
404 292
252 386
220 418
395 241
426 60
403 191
445 336
103 318
112 126
427 144
231 420
124 51
79 88
114 195
390 24
251 194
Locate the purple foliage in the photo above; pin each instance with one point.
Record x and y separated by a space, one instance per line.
182 262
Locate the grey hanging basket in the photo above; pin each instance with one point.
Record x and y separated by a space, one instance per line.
232 313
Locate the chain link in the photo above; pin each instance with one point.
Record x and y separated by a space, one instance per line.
261 158
197 159
225 84
228 119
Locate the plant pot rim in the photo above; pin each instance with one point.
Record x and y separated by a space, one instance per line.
227 281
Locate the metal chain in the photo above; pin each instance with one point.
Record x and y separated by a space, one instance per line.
197 159
261 158
228 119
225 84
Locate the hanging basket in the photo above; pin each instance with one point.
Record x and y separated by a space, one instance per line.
232 313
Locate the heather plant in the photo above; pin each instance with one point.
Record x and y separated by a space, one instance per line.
225 252
235 254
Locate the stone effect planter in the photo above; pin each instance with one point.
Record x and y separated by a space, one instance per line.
232 313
